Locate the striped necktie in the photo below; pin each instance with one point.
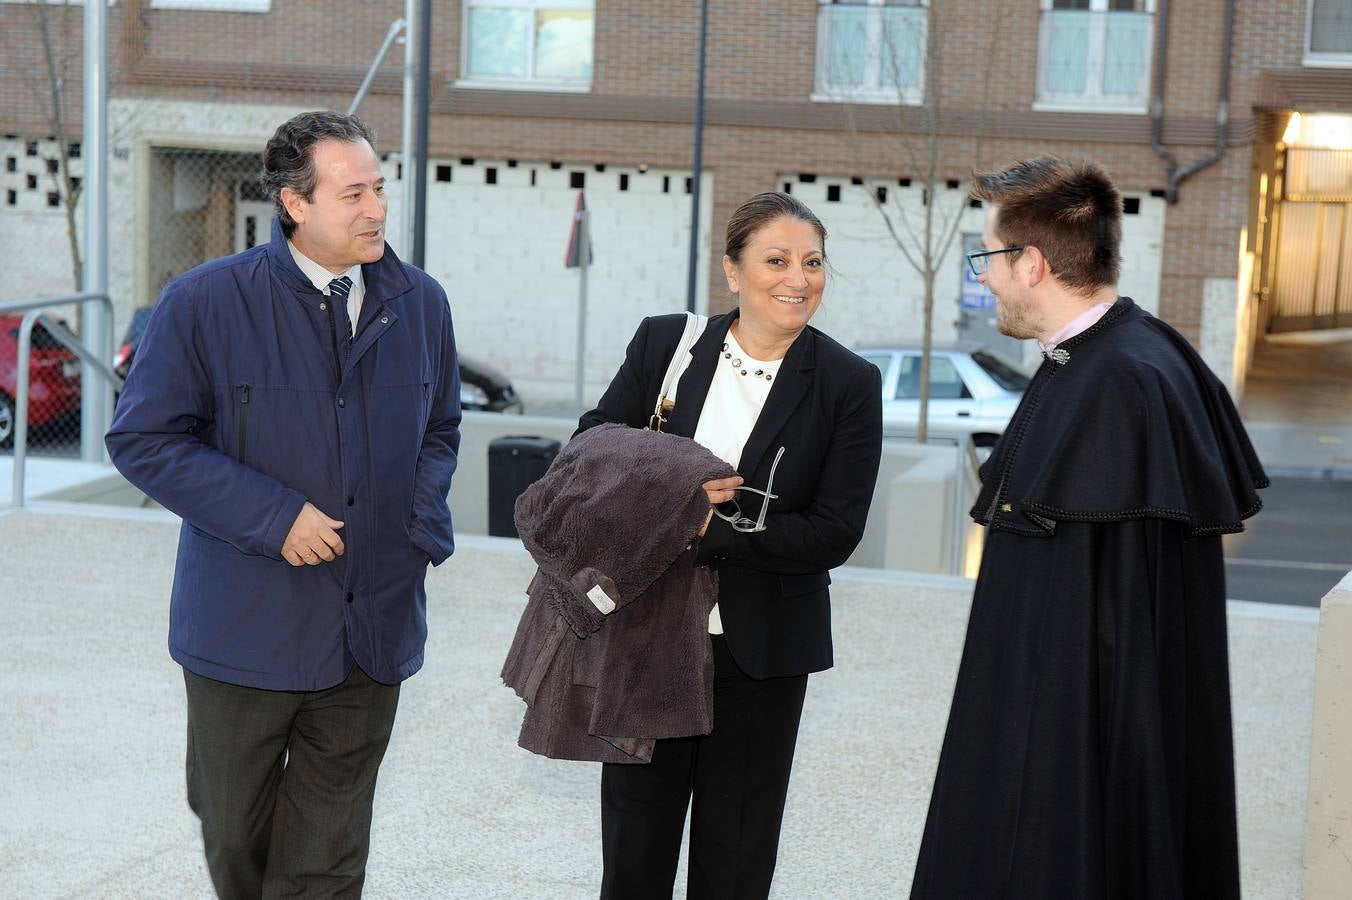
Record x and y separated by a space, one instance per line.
340 287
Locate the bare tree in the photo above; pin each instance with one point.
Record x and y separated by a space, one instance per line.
61 47
925 144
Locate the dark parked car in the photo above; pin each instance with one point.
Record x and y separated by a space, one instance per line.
53 378
482 387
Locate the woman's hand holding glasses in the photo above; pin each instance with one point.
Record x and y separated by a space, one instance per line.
720 490
730 487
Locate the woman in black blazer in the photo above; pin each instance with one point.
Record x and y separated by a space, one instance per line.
778 398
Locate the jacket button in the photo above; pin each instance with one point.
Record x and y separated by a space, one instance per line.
384 320
341 403
351 500
348 597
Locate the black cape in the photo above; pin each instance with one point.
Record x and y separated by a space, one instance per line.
1089 750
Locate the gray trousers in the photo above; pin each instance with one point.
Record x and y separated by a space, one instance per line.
283 783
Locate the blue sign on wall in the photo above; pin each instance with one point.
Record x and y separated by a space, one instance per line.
975 295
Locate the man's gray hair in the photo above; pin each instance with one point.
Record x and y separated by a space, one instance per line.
288 159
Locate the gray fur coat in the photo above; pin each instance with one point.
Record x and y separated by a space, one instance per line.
613 649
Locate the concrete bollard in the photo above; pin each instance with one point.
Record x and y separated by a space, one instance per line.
1328 804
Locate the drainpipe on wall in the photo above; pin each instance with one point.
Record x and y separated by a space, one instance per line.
1175 175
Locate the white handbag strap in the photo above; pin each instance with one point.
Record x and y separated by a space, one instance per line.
680 360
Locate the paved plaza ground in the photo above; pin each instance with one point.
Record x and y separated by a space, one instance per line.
91 753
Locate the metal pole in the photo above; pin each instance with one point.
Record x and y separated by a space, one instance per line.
698 165
407 160
420 173
395 27
97 333
21 408
583 258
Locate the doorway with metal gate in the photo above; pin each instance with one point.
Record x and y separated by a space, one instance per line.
200 203
253 215
1312 269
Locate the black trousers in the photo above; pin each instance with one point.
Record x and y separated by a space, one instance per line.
283 783
738 777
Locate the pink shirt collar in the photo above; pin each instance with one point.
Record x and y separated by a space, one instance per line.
1080 323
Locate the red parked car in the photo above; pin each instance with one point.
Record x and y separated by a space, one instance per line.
54 378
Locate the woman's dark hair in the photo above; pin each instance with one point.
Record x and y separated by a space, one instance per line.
288 159
760 211
1069 210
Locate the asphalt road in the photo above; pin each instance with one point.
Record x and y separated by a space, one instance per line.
1297 547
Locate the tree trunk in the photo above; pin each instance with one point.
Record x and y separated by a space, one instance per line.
57 119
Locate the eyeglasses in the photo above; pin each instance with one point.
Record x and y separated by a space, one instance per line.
979 260
740 522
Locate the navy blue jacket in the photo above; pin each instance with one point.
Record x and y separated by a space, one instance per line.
247 398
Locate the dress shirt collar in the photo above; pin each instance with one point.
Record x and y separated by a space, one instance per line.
320 276
1075 326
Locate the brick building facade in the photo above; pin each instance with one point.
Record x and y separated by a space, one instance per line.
1009 80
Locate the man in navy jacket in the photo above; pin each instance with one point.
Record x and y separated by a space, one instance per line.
298 406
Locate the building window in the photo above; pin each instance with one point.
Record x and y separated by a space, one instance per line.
871 50
528 43
1095 54
1328 33
256 6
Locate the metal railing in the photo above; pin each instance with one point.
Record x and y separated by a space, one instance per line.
32 316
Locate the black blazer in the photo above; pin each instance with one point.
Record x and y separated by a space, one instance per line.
825 409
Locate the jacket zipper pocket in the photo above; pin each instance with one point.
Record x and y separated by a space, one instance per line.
243 420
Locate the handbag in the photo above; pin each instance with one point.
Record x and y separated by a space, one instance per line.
680 359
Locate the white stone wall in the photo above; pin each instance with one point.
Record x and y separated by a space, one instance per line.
34 241
34 247
1143 250
1224 331
499 248
499 251
876 295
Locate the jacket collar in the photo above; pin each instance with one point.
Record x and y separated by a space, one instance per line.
795 375
384 279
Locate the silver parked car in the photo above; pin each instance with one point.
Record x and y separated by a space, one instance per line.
972 390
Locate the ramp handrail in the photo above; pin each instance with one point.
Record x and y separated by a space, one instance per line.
22 374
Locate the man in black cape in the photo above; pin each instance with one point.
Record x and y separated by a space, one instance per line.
1089 750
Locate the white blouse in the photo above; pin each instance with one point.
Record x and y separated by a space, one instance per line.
731 408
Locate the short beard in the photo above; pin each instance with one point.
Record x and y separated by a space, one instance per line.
1012 321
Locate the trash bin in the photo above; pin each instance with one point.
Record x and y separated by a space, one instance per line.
514 463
